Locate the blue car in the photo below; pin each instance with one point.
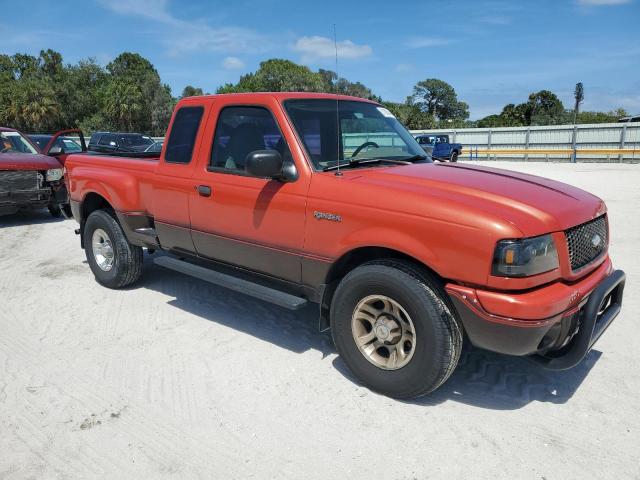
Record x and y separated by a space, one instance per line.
439 147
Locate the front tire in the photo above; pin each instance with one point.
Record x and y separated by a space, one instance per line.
115 263
454 156
395 328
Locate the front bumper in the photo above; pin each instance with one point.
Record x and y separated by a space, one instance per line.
559 341
14 200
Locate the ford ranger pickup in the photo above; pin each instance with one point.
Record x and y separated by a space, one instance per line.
405 258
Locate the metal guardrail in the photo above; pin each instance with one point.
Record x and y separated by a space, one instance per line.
607 142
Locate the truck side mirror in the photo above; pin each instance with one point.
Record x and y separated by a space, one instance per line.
264 164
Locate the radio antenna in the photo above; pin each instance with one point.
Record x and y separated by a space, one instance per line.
335 86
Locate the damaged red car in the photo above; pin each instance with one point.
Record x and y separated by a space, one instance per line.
29 179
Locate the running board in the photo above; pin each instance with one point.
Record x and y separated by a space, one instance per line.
239 285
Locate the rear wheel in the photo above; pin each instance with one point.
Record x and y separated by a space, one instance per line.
395 329
454 156
113 260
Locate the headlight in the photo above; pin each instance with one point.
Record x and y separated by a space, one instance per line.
54 174
525 257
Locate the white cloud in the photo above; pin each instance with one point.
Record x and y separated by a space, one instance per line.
182 36
425 42
232 63
153 9
316 47
597 3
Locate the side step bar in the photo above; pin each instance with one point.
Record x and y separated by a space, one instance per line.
239 285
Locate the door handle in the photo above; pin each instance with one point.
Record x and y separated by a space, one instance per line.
204 190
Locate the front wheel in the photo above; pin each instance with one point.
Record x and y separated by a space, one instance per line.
454 156
395 329
113 260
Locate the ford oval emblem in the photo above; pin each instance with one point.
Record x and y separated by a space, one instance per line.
596 240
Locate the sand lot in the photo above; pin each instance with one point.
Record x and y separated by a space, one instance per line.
176 378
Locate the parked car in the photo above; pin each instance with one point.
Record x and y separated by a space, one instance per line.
631 118
66 144
155 147
108 142
405 257
439 147
30 179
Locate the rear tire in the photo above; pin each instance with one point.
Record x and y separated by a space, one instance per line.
454 156
361 309
115 263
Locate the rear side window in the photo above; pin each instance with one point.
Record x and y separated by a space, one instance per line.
107 140
183 135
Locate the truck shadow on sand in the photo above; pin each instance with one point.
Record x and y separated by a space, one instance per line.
482 379
28 217
499 382
294 330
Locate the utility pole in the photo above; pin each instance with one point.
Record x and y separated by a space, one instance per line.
578 94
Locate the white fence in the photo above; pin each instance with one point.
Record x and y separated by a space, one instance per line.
588 142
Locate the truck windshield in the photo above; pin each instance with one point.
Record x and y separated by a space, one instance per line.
366 132
13 142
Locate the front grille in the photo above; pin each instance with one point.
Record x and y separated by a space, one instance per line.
14 180
587 242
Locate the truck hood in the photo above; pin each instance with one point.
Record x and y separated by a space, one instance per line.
534 205
27 161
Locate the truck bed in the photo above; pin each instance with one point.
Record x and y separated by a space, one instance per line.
127 179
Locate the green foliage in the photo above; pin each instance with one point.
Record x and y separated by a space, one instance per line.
601 117
41 94
545 108
334 84
439 99
411 115
541 108
191 91
278 75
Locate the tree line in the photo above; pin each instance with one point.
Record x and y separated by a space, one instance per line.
43 94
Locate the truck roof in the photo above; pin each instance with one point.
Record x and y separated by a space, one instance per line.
281 96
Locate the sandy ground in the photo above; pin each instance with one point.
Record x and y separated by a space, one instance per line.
175 378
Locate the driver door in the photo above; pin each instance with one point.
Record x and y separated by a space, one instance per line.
254 223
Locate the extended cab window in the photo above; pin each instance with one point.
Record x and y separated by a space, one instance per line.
183 135
242 130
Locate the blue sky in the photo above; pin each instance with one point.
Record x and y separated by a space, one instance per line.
492 52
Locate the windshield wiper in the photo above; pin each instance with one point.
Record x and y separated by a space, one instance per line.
366 161
414 158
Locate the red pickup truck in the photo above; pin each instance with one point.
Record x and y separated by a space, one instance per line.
299 197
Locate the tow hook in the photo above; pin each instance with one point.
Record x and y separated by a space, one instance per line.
77 231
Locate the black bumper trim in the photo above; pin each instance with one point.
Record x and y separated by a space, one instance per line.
528 340
594 322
